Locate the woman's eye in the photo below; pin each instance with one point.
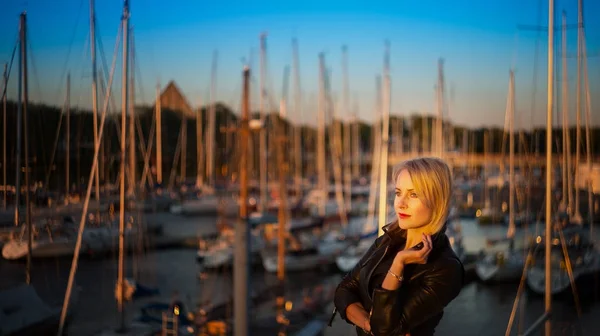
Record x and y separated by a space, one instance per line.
414 195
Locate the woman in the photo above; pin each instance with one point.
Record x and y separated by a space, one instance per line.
403 282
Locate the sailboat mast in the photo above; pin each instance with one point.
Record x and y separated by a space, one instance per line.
322 174
158 115
68 144
395 132
282 213
131 106
335 146
356 142
346 161
183 157
548 240
588 120
400 135
439 143
199 152
425 131
385 114
5 80
88 194
94 91
19 126
486 150
283 208
578 106
240 271
263 132
450 138
375 151
26 142
124 105
298 128
511 156
210 132
566 169
298 114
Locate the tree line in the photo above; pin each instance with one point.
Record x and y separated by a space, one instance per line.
47 143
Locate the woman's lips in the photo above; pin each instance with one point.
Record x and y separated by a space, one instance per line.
403 216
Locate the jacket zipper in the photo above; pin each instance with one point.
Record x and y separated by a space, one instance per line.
371 273
372 294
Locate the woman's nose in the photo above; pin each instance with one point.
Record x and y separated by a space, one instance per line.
402 201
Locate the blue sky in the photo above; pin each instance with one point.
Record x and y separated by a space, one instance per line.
478 40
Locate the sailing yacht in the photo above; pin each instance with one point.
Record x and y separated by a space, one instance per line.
572 248
489 214
454 234
304 236
197 205
58 240
47 243
574 254
22 311
353 251
505 264
314 200
219 253
336 241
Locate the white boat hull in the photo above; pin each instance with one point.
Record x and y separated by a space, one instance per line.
202 206
214 259
221 253
536 280
297 263
348 260
94 241
536 275
176 209
490 269
14 250
327 248
346 263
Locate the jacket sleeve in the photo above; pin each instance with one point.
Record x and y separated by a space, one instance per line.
397 312
346 292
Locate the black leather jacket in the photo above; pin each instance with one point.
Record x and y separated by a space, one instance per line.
417 306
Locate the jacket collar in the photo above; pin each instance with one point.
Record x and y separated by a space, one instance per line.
398 235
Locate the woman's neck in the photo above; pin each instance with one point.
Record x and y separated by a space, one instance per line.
413 237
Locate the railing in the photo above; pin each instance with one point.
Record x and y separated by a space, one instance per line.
173 328
536 325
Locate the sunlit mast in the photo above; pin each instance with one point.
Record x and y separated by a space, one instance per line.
94 92
385 116
262 204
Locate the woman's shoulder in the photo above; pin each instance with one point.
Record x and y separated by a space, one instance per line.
447 260
383 239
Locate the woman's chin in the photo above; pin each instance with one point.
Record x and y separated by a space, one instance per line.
403 225
406 225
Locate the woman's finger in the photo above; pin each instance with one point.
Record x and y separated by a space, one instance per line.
429 248
425 250
425 253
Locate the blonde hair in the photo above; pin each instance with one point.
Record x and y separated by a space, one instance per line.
432 179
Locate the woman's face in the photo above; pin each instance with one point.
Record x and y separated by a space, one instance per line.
409 205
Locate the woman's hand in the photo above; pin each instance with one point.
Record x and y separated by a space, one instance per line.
367 326
415 256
